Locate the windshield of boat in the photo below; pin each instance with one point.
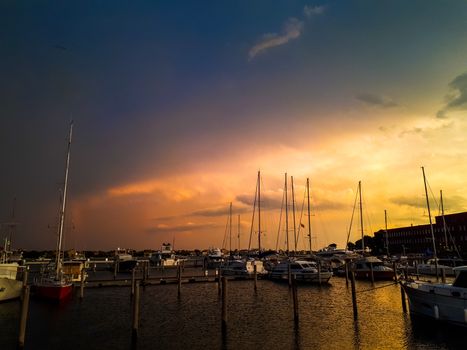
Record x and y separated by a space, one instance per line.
461 280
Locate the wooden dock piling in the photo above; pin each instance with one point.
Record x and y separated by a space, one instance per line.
372 275
179 277
219 282
443 275
289 272
354 295
224 303
24 317
295 299
134 333
346 274
394 267
255 276
81 286
404 305
133 272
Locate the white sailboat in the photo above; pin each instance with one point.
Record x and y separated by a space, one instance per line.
440 301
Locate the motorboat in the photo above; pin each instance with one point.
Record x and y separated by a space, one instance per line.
366 266
215 258
431 266
302 270
10 287
124 260
440 301
243 268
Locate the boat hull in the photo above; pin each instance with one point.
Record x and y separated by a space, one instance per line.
313 277
10 289
53 292
438 303
377 275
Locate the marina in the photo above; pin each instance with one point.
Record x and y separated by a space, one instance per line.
260 317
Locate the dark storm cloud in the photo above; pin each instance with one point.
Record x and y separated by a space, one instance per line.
376 100
457 98
220 211
187 227
415 202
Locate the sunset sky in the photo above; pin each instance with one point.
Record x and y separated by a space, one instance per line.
178 104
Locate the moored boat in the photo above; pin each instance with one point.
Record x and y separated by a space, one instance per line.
55 285
243 268
366 266
10 287
302 270
440 301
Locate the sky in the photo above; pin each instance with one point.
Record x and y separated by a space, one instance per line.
178 104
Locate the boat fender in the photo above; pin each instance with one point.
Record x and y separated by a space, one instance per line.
436 312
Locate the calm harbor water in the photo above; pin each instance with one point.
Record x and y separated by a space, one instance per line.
256 320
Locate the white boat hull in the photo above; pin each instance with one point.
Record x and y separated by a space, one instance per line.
10 289
312 277
444 304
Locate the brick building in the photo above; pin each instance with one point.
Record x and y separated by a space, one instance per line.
417 239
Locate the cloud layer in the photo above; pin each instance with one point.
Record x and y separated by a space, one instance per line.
291 30
457 98
376 100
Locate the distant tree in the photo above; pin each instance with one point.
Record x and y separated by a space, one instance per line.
350 246
332 245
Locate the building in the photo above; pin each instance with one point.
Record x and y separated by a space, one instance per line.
417 239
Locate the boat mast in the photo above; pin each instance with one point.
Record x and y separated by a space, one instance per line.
444 221
62 210
259 212
286 216
431 224
293 215
309 219
386 231
361 214
238 233
230 228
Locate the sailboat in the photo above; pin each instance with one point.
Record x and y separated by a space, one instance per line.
369 267
56 286
440 301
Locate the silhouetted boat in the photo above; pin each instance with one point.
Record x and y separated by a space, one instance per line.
56 285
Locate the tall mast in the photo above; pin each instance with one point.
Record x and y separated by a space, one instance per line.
286 216
259 212
309 219
386 231
361 213
444 221
230 228
62 210
293 215
431 224
238 233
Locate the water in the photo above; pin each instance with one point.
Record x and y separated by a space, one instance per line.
256 320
